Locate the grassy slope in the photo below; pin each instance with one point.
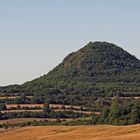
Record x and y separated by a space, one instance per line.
73 133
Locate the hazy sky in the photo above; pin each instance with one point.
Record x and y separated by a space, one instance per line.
35 35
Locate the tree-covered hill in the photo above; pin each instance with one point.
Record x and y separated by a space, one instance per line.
98 62
97 70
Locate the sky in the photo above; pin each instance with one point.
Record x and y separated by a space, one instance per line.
35 35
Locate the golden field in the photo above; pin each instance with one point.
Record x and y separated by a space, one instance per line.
101 132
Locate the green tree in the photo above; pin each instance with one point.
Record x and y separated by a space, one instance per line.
46 108
135 116
104 116
3 107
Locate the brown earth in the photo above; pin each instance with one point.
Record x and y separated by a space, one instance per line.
23 120
72 133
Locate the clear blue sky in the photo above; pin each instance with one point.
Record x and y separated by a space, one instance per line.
35 35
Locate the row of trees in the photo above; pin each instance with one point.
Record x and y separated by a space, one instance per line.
43 114
46 112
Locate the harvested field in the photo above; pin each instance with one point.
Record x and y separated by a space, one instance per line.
40 110
19 120
135 97
66 106
72 133
8 111
23 120
78 111
55 107
14 97
9 106
41 105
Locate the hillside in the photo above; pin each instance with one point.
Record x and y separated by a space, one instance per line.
95 63
73 133
101 77
97 70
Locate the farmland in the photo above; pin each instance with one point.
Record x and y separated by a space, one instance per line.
73 133
22 113
25 120
9 106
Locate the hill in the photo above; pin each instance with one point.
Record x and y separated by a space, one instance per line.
99 69
73 132
95 63
101 77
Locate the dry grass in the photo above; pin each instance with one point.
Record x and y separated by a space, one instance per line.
41 105
66 106
78 111
73 133
9 111
9 106
56 110
55 107
23 120
14 97
19 120
135 97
